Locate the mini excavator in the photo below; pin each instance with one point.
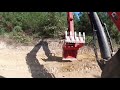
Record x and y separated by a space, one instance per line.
74 41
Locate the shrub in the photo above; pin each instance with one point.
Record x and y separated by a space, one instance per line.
19 36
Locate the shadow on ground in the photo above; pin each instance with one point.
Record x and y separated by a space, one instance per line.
37 70
51 56
2 77
55 58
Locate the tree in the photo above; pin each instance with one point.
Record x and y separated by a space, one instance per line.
55 24
84 24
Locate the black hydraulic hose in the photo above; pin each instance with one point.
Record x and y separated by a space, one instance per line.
100 62
102 39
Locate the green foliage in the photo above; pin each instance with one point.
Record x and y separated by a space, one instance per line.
84 24
25 26
19 36
55 25
2 31
17 29
89 40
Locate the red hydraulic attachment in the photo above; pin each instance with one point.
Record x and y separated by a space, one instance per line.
72 42
115 18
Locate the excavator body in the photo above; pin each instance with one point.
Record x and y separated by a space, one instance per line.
74 42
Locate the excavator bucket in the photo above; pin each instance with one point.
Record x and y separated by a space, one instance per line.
72 42
71 45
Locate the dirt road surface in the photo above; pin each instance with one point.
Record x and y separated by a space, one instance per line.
44 60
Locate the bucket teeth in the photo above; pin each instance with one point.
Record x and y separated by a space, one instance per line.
80 34
84 36
74 38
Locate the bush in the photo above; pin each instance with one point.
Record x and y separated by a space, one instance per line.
2 31
89 40
19 36
17 29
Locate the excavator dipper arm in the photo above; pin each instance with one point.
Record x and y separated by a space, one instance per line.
72 41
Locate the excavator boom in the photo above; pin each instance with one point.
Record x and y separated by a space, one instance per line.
115 16
72 42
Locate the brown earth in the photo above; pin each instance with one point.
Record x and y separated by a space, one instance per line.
36 62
